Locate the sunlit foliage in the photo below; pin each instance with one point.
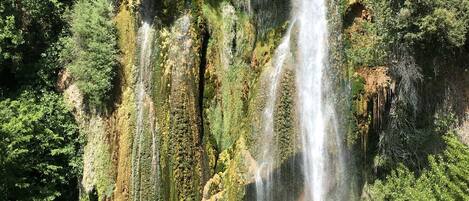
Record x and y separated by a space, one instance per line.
39 146
91 51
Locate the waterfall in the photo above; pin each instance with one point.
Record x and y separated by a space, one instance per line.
145 146
312 48
321 147
263 184
140 96
323 157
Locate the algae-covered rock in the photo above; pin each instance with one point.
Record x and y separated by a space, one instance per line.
230 183
185 146
200 108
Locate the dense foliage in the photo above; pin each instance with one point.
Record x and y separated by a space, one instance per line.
446 178
91 51
39 146
434 21
421 43
410 32
28 27
386 25
39 140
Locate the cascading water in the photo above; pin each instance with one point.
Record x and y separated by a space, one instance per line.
266 165
322 157
312 51
145 150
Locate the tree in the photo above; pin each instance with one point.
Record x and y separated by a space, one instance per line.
39 146
28 27
446 178
91 52
430 21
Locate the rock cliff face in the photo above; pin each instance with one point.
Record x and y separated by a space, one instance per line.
192 131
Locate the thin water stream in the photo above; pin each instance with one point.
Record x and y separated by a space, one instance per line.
145 150
263 183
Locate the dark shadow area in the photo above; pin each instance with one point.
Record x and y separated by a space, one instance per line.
203 63
167 11
7 80
287 181
148 10
93 195
118 84
269 14
445 85
354 11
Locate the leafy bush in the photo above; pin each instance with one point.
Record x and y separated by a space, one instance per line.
444 21
447 178
39 149
92 51
27 27
364 45
426 22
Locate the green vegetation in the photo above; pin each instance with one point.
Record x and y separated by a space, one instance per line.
286 135
445 22
446 178
27 28
91 52
375 28
39 141
39 146
204 115
402 36
363 42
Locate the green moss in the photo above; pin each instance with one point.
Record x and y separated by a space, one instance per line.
124 124
145 184
264 49
227 72
184 159
98 172
183 162
285 119
358 86
236 175
360 120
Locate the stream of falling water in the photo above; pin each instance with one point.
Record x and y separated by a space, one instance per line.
145 33
145 121
266 165
322 161
312 60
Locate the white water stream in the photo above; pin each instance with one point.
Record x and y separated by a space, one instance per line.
322 171
266 165
312 60
145 119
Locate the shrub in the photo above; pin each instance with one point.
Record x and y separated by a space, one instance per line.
91 52
27 27
445 21
39 149
446 178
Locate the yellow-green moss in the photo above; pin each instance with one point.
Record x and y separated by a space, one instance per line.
228 184
285 125
125 113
